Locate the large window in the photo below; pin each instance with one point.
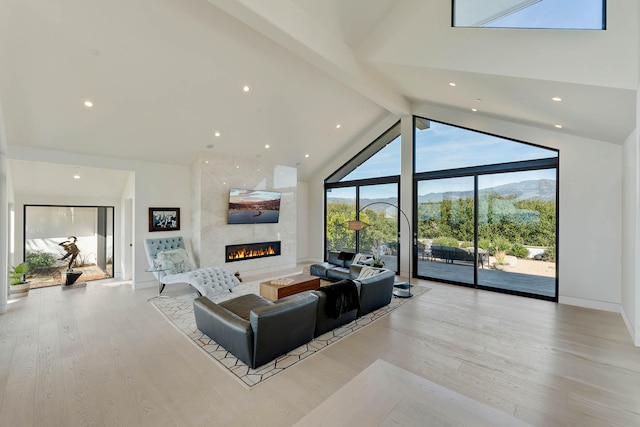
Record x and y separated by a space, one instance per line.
537 14
486 211
49 229
366 188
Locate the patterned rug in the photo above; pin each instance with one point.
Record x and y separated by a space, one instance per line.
179 312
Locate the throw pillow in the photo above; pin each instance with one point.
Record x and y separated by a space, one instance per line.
175 261
360 259
367 272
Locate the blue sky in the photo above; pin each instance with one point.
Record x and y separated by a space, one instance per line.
567 14
444 147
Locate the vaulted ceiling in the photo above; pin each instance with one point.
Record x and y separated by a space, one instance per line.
166 75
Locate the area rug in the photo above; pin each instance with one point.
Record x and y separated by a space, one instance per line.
179 312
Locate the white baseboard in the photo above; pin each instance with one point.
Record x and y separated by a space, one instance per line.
587 303
308 260
630 328
144 285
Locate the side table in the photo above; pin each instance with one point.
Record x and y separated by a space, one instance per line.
160 272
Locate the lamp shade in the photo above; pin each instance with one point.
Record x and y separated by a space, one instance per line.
356 225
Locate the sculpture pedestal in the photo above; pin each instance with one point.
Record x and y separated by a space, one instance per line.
70 280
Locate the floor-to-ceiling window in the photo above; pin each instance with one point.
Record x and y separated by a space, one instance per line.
366 188
486 210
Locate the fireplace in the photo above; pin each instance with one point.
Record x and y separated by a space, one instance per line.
251 251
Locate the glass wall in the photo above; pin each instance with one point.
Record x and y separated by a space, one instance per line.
341 207
378 205
486 211
517 224
446 229
48 232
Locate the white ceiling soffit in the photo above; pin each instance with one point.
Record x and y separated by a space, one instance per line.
476 13
53 179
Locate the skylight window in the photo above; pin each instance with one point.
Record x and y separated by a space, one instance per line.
536 14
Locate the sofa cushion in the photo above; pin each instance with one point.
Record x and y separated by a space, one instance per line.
368 272
334 258
361 259
338 273
244 304
320 269
175 261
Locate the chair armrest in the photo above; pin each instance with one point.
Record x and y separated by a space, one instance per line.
376 291
224 327
282 327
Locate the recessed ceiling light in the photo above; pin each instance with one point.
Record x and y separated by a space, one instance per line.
338 126
306 156
237 166
474 109
556 99
216 134
266 146
558 126
76 176
206 162
88 103
246 88
452 84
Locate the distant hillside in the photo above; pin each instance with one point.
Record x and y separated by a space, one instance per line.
540 189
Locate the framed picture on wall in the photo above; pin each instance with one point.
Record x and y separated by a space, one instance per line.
164 219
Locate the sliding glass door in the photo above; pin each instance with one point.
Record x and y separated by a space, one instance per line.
446 229
517 224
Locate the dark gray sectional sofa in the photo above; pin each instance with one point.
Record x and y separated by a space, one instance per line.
257 330
337 266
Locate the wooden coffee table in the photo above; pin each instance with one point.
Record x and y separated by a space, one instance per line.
298 283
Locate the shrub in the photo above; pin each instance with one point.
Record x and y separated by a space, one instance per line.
519 250
446 241
501 244
466 245
39 260
484 243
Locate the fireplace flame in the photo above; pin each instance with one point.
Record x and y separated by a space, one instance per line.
251 253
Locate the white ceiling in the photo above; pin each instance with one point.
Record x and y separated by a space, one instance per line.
164 75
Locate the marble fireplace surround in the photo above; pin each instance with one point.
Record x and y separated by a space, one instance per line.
213 177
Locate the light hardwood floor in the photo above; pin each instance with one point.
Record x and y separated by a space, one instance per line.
104 356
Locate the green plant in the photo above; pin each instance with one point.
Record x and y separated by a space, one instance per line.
501 258
446 241
39 260
484 243
519 250
18 274
501 244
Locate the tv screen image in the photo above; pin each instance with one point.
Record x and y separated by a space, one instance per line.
253 206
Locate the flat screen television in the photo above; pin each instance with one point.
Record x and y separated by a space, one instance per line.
253 206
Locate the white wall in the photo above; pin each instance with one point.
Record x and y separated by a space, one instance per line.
158 185
303 225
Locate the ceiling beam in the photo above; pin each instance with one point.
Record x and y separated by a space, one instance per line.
294 29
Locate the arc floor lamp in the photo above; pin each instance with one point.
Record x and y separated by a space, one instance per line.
357 225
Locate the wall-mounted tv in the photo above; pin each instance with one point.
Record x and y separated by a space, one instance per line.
253 206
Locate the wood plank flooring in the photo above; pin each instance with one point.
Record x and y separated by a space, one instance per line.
102 355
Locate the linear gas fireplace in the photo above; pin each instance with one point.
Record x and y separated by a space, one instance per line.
252 251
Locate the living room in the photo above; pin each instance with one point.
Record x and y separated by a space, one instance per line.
265 136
